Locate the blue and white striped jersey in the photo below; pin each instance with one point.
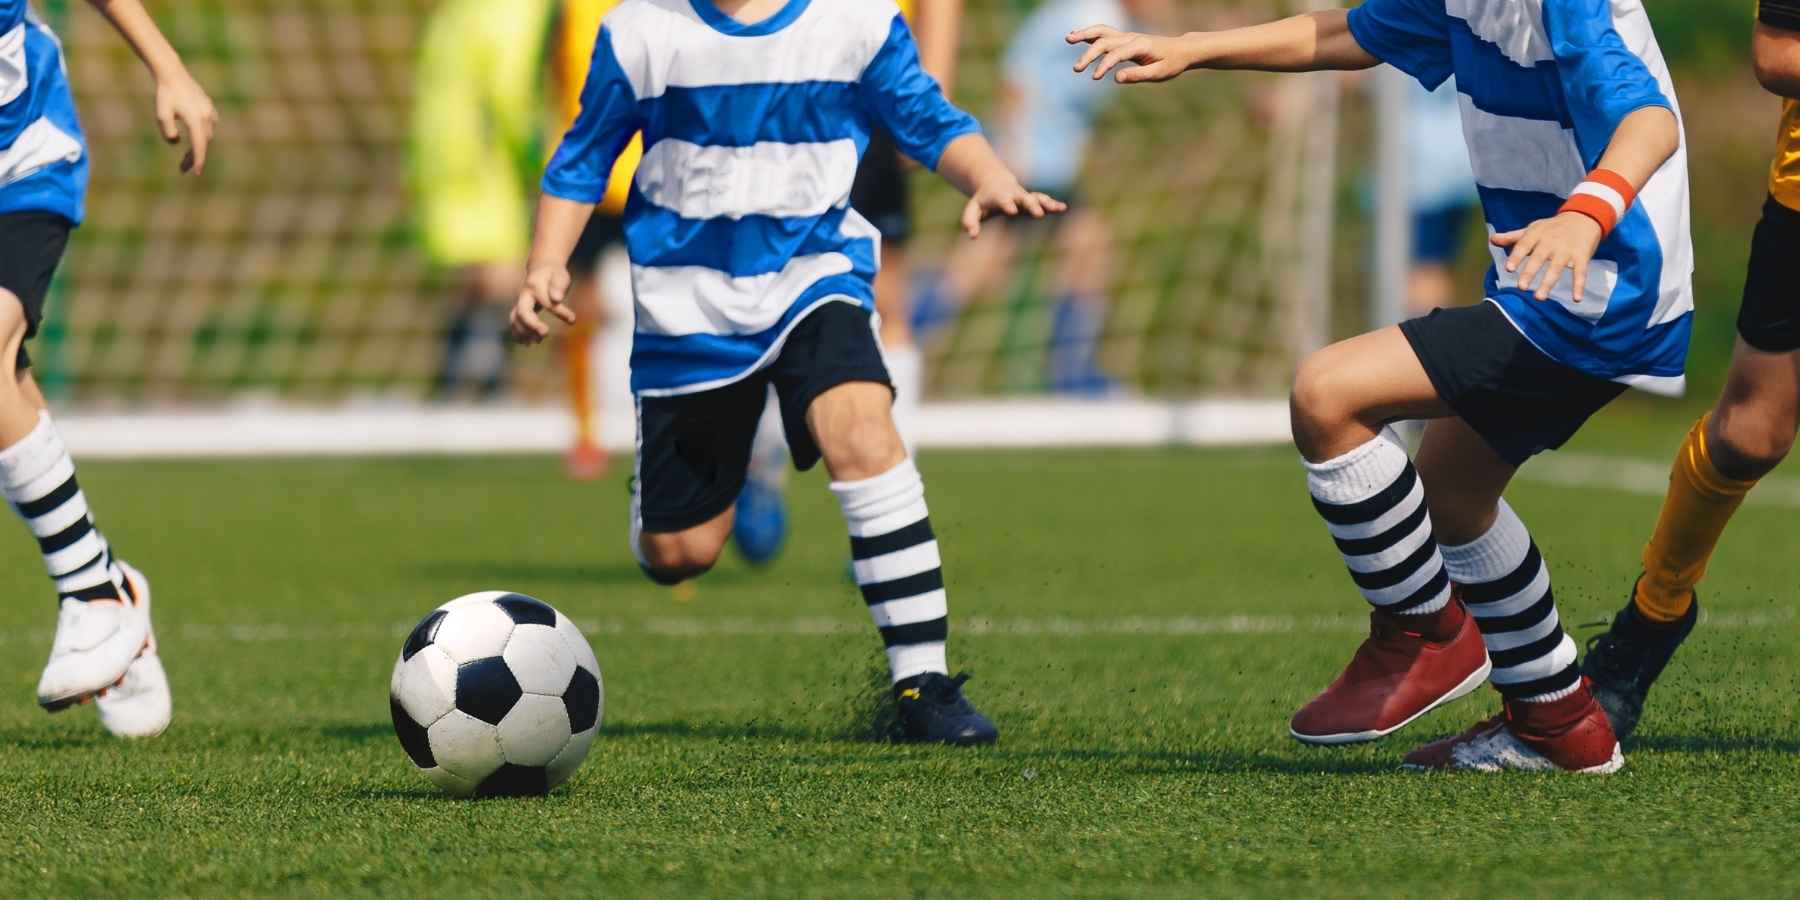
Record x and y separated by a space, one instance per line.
739 221
1543 84
43 157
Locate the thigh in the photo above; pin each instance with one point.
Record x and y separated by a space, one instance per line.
31 247
1769 316
693 454
834 345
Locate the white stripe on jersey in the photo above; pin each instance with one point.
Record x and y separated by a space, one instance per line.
785 57
1511 25
769 179
701 300
1521 154
14 76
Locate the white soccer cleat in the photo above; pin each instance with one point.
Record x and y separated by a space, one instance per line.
140 705
96 641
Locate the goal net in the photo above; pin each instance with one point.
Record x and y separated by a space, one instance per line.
289 275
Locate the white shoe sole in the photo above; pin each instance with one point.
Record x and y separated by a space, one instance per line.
85 690
1468 685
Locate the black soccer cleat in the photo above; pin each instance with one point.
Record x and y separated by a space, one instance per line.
934 710
1627 659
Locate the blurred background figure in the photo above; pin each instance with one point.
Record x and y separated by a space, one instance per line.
601 293
1442 190
476 149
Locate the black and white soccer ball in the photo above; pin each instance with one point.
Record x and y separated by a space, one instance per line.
496 694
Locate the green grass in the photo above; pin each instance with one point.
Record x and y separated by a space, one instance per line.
1145 756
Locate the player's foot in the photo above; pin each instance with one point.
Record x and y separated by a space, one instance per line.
139 706
760 526
586 461
1396 676
1567 735
96 641
934 710
1625 661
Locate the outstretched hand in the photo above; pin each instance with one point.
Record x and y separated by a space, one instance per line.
1154 57
1006 197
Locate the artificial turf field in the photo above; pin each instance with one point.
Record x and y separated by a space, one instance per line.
1141 624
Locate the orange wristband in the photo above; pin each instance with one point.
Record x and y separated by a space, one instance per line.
1603 197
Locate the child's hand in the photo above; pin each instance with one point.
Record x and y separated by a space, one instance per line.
1549 246
546 286
1158 58
1006 196
182 104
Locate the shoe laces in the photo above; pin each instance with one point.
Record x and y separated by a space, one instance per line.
945 692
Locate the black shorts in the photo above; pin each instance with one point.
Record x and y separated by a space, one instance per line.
694 449
31 246
603 231
879 192
1769 318
1519 400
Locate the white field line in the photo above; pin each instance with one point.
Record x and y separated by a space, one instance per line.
819 626
1640 476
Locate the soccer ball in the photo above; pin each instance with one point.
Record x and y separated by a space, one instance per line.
496 694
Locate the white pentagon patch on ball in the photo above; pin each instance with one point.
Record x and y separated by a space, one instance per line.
496 693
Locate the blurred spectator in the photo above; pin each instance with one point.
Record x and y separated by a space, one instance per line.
1442 191
476 151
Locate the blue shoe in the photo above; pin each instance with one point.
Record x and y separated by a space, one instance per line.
761 525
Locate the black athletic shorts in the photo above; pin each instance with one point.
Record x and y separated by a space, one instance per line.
1769 318
694 449
603 230
1519 400
31 246
879 191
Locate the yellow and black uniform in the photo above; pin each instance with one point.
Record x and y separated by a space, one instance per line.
880 192
1769 319
577 27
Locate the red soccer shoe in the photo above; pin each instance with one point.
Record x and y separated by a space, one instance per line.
1567 735
1397 675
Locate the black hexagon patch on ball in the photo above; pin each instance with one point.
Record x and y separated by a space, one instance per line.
412 736
422 634
486 689
582 698
526 610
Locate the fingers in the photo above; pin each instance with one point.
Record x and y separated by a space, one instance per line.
971 218
1507 239
166 124
199 130
1051 204
1161 70
1533 264
1032 205
562 311
1581 271
527 328
1089 34
1125 51
1552 274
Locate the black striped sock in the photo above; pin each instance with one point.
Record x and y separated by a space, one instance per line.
1506 586
39 480
895 557
1374 507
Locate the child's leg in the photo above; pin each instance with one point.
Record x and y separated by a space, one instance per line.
693 452
1422 651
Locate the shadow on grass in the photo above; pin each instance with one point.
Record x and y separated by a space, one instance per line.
1705 743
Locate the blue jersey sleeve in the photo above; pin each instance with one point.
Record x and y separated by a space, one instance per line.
1603 81
609 117
908 103
1410 35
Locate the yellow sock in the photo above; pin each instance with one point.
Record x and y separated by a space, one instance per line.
577 368
1699 504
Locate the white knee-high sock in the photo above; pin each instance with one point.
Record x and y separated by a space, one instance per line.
906 366
1506 586
895 556
1374 507
38 478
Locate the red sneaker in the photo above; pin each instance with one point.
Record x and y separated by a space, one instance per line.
1397 675
1567 735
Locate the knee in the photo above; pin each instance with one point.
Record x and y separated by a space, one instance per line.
1318 405
862 447
1748 446
677 557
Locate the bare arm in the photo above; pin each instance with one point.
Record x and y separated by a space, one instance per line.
558 229
180 101
1304 43
938 30
1644 140
1776 52
970 164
